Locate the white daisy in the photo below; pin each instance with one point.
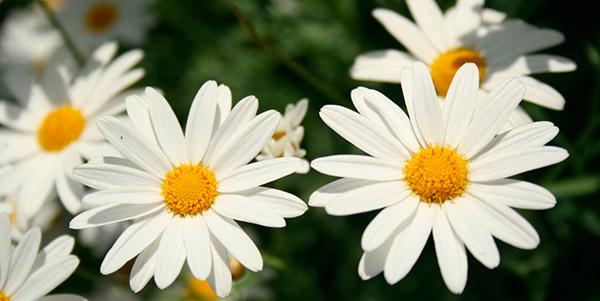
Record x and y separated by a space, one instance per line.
25 274
288 136
27 41
52 127
91 22
467 33
184 191
20 223
442 168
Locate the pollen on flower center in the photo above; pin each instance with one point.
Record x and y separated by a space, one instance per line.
445 66
278 135
436 174
100 17
4 297
189 189
59 128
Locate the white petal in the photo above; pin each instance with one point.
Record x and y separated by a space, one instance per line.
462 21
137 111
517 118
5 248
507 225
387 221
62 297
220 275
451 254
247 142
143 267
406 33
167 128
535 134
427 112
430 20
223 105
234 239
13 117
532 64
513 193
22 260
471 231
197 247
358 167
362 133
367 198
133 241
107 176
322 196
112 213
243 209
371 263
124 195
39 185
381 65
58 248
460 102
409 243
515 161
377 107
134 145
69 191
277 201
256 174
522 42
490 115
200 122
241 114
542 94
90 150
48 277
170 256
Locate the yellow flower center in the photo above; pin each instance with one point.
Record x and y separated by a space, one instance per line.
59 128
278 135
445 66
200 290
55 5
101 16
4 297
437 174
189 189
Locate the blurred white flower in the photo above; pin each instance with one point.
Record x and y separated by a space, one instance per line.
52 128
27 41
442 168
288 136
92 22
99 240
467 33
184 191
20 222
25 274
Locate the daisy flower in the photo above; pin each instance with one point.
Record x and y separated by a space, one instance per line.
288 136
51 129
184 190
467 33
20 223
25 274
27 41
91 22
441 169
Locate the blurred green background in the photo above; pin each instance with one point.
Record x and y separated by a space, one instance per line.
308 48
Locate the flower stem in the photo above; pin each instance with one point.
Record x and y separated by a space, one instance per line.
63 33
294 66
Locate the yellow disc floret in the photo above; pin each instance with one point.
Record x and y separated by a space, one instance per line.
445 66
437 174
59 128
189 189
4 297
101 17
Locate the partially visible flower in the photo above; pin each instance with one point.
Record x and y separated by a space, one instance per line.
467 33
288 136
184 191
20 223
27 41
441 171
52 128
25 274
91 22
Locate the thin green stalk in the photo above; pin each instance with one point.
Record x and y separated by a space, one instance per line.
63 33
294 66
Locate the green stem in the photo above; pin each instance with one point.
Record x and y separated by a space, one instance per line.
294 66
63 33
